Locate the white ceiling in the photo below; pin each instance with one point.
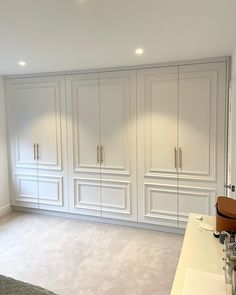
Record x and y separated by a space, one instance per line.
55 35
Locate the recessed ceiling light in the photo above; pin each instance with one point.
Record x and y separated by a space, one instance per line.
139 51
22 63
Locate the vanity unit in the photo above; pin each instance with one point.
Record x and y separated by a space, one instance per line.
145 144
201 264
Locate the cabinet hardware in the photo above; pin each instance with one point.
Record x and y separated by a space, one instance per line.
98 156
175 157
180 158
34 151
230 187
101 154
38 157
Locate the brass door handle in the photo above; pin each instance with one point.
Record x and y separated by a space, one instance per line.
38 157
101 154
180 158
175 157
98 154
35 151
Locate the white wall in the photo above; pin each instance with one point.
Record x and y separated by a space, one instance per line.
4 182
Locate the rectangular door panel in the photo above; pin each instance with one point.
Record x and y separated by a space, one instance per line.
114 115
49 128
87 198
202 138
22 117
24 189
85 122
157 121
158 90
84 144
160 204
195 200
118 141
201 120
197 122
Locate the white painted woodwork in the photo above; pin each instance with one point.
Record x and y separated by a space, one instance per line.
85 120
118 139
158 110
102 111
157 139
195 199
84 136
125 130
203 182
197 122
160 205
185 114
36 108
87 195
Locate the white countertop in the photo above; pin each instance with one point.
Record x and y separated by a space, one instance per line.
200 252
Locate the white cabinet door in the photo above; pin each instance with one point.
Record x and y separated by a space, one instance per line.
197 122
23 113
202 137
84 138
157 145
36 111
118 140
52 143
51 109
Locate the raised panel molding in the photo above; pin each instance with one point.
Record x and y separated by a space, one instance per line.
75 108
149 81
152 172
56 199
42 164
101 186
212 78
194 195
150 189
201 200
124 83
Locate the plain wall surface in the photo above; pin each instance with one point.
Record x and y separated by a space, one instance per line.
4 177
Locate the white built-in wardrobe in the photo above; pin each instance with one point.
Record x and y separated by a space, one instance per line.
144 145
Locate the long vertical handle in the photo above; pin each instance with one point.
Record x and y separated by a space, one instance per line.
101 154
180 158
38 157
98 154
34 151
175 158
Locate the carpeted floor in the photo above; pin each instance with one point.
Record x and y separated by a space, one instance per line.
71 257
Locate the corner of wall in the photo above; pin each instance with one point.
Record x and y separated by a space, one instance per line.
4 172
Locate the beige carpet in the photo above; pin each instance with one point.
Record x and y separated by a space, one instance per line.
71 257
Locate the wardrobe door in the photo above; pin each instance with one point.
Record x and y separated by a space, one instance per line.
52 143
202 100
84 144
37 135
157 145
22 115
118 143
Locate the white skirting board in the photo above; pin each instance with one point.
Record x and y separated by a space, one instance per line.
102 220
5 210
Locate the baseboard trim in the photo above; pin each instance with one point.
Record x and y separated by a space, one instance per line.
5 210
86 218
